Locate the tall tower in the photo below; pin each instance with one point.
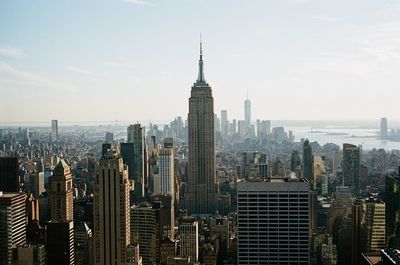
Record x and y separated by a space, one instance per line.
60 230
136 136
12 224
247 111
384 128
202 193
351 167
61 193
307 161
54 130
111 211
9 172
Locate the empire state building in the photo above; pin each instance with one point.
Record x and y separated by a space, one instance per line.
202 190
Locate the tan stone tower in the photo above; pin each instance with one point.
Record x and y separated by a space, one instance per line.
111 211
202 191
61 193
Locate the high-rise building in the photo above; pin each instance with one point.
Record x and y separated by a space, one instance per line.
111 211
145 229
61 193
232 128
128 156
295 161
189 239
54 130
308 162
351 167
37 179
12 224
164 181
392 210
273 222
9 174
136 134
84 245
375 225
60 242
167 214
60 230
29 255
384 128
263 128
202 187
247 112
224 123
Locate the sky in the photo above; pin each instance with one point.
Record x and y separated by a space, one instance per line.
136 60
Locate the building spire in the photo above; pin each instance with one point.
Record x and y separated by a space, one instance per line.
200 77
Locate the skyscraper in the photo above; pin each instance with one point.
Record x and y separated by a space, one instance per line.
54 130
60 230
392 210
111 211
61 193
202 193
308 162
12 224
384 128
164 181
224 123
136 136
145 229
247 112
273 222
9 172
189 239
351 167
375 225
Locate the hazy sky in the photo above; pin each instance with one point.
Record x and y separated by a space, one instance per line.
92 60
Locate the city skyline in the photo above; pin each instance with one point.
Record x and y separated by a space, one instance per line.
337 55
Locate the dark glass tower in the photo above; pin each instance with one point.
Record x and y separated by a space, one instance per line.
308 162
202 193
351 167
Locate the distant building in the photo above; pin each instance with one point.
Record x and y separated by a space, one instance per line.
136 134
54 131
351 168
384 128
9 174
12 224
224 123
247 112
267 212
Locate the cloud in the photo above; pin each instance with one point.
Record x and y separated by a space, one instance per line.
117 64
12 52
80 70
326 18
19 76
139 2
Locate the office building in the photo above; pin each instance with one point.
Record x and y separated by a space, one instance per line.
29 255
37 180
12 224
84 245
111 211
54 131
189 239
308 162
351 168
167 214
9 174
273 222
392 210
136 135
164 181
375 225
202 187
60 230
145 225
